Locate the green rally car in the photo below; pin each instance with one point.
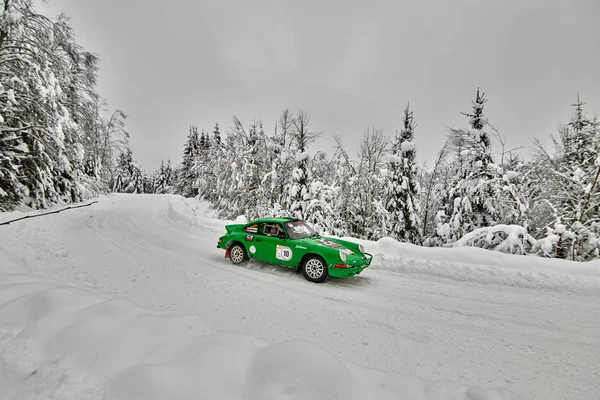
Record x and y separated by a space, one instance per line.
294 244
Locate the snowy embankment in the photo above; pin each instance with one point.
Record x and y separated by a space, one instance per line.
130 299
61 342
484 266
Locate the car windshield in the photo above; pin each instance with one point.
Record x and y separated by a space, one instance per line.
299 230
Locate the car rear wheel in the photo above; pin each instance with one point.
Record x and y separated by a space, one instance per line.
314 269
237 254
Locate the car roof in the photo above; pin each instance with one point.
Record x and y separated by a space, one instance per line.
277 220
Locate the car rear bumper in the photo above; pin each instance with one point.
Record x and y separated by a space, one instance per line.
222 244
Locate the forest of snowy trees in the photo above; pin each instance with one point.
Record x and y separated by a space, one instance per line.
478 193
60 143
56 145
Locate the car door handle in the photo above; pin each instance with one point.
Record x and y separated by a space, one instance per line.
259 240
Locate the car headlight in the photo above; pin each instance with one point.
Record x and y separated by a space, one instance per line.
361 248
342 256
344 253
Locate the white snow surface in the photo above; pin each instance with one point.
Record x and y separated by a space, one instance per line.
130 299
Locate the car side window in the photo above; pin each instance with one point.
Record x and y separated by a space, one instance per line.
273 230
262 229
251 228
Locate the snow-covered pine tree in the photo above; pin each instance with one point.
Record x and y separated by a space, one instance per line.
12 148
188 173
213 165
138 181
298 184
283 162
128 176
202 140
122 173
471 200
482 193
322 195
227 173
159 179
568 196
238 173
252 162
582 139
402 197
217 136
169 174
268 196
148 182
204 167
223 181
163 178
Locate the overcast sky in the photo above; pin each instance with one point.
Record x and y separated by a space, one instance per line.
351 64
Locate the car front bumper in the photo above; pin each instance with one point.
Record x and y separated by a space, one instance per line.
355 269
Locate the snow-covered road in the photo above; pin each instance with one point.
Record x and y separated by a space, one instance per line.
527 325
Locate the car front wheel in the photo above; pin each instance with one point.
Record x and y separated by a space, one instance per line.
237 254
314 269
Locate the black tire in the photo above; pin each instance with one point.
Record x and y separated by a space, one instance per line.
314 269
237 253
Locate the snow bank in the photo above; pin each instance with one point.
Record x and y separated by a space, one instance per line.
59 341
512 239
483 266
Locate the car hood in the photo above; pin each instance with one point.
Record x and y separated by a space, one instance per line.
327 242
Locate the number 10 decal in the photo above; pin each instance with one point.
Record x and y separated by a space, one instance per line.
283 253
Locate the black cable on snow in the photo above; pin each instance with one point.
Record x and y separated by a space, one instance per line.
48 213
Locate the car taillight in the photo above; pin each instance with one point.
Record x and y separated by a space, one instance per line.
344 266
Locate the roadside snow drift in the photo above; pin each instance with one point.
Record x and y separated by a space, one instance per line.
131 299
471 264
60 342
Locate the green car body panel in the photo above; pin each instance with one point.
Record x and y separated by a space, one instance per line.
288 242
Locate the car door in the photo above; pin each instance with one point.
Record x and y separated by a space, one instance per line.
271 247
